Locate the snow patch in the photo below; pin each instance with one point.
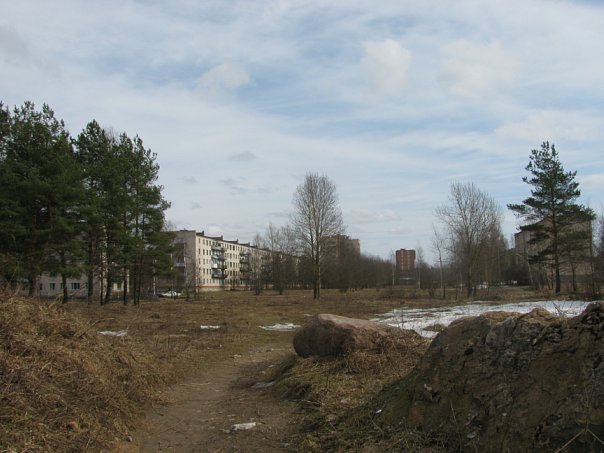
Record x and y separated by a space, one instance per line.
209 327
422 320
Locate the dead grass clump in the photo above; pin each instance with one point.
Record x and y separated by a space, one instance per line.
64 387
333 392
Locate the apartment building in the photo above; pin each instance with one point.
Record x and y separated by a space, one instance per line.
574 262
405 266
405 260
209 263
51 286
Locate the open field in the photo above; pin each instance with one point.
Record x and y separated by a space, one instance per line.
65 387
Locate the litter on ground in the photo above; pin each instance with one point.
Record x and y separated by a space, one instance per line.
117 333
281 327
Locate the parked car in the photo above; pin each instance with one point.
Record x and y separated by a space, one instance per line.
170 293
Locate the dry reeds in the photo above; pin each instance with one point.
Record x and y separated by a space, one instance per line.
64 387
333 393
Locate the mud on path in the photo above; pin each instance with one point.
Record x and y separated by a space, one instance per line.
201 412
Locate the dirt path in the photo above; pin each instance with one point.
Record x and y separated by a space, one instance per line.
202 412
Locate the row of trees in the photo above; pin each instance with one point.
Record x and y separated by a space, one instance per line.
312 251
92 205
558 227
469 244
71 206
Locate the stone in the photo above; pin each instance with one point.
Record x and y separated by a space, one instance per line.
326 335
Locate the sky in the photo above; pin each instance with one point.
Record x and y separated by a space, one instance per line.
393 101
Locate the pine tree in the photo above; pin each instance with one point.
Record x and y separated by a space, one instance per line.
94 148
552 214
39 195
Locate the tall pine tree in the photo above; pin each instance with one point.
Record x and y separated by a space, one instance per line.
553 216
40 193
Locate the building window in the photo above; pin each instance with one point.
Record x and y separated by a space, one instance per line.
52 286
75 285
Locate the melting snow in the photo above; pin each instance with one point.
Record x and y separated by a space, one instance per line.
422 319
281 327
209 327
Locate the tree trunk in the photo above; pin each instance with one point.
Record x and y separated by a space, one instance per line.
64 277
558 282
90 289
65 292
125 287
109 287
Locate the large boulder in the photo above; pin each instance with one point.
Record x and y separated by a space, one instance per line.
331 335
508 382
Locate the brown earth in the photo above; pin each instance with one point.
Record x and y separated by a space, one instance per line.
202 413
507 382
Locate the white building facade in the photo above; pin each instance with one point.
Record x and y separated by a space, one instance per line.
203 262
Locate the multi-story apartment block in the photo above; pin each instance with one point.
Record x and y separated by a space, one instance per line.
405 266
405 260
204 262
574 260
51 286
341 246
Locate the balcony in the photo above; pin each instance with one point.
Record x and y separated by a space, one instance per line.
219 273
217 248
218 256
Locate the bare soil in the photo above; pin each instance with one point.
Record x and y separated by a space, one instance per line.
227 380
202 413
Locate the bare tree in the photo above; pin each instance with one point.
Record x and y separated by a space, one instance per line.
419 253
316 219
438 243
471 217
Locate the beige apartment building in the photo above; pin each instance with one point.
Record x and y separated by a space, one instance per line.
51 286
575 264
210 263
200 263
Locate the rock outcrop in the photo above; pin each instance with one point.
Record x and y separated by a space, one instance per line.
508 382
330 335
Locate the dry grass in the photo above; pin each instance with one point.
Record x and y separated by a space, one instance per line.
64 387
333 394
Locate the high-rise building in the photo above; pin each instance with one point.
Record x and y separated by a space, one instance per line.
405 261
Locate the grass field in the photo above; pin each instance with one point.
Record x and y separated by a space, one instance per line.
65 387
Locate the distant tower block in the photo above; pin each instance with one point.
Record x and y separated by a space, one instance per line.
405 261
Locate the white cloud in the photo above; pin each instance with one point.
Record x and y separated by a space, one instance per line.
472 70
244 156
190 180
223 79
362 216
593 182
553 125
386 64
